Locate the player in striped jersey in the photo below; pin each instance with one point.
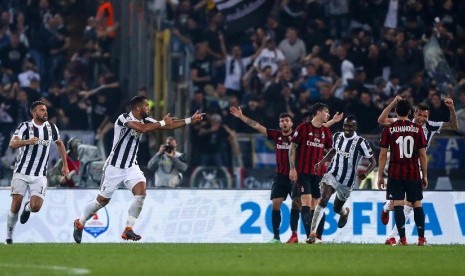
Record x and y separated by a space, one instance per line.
348 148
430 128
407 144
121 165
33 139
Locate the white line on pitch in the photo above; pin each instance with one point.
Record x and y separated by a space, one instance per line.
69 270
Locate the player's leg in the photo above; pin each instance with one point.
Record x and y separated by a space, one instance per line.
296 207
111 178
135 181
306 198
343 212
280 189
415 195
396 191
327 191
37 186
387 207
12 218
316 195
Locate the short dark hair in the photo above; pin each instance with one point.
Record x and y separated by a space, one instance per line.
351 118
403 108
318 107
137 100
423 106
285 115
36 103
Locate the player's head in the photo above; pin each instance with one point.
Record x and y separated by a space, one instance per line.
285 122
403 108
38 110
349 126
421 114
140 106
320 112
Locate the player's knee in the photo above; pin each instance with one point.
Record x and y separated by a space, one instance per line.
323 202
296 203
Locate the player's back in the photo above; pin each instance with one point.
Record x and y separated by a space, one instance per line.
405 139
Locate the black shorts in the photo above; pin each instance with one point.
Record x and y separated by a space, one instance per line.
281 187
310 184
411 190
295 193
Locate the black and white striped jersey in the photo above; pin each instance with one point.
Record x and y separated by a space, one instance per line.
32 159
125 142
348 152
430 128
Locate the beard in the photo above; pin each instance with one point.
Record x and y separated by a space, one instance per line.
42 119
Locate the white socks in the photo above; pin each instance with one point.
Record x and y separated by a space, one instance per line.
317 216
91 208
134 210
10 224
343 212
386 207
407 211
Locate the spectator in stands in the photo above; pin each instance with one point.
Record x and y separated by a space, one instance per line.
201 68
461 111
212 141
270 56
29 72
58 44
293 49
12 57
71 180
168 164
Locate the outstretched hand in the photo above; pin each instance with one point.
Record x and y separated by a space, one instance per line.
168 120
338 116
197 117
236 111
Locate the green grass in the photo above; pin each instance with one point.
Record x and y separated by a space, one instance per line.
230 259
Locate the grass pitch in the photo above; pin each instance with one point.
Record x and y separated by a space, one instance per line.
231 259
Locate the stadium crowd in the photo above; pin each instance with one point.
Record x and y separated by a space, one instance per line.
354 56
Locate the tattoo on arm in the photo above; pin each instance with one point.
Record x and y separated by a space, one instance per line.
292 156
251 123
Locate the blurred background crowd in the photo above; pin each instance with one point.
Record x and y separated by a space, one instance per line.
353 55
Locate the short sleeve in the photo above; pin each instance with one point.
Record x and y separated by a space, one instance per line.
384 143
272 134
20 130
297 137
55 132
123 119
329 141
366 149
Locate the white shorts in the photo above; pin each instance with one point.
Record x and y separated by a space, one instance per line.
21 183
113 176
342 191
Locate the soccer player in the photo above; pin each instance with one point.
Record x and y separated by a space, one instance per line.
407 143
308 144
121 165
348 148
430 128
33 139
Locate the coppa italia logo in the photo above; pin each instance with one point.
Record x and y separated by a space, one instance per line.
98 223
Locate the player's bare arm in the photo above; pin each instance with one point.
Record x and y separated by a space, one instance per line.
17 142
336 118
237 112
424 166
144 128
383 118
381 165
453 122
328 156
363 174
292 171
177 122
62 151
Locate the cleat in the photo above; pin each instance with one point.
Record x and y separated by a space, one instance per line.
25 214
128 234
343 219
422 241
402 242
77 233
293 239
390 241
384 217
9 241
274 240
313 238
